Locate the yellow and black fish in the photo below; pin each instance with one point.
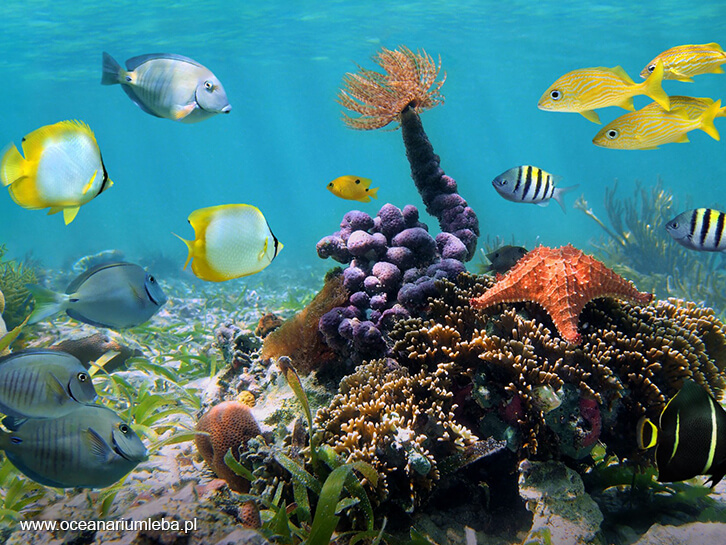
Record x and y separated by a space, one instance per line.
691 436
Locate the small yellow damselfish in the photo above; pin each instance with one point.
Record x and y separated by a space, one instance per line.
62 169
586 89
353 188
230 241
684 61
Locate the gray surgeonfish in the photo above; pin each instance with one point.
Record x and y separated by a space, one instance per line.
690 436
113 295
43 384
168 86
91 447
530 184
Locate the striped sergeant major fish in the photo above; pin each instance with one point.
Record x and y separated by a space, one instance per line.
700 229
690 436
530 185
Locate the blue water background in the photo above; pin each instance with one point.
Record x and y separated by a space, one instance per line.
282 64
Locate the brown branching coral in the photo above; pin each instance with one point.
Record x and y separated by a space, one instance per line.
402 423
409 79
548 397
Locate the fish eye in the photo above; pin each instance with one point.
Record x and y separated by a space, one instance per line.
128 78
152 280
209 86
673 225
357 181
82 377
496 255
123 428
651 67
555 94
612 134
330 184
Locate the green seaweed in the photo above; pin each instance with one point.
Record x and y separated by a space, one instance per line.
14 276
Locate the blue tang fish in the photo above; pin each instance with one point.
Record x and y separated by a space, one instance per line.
114 295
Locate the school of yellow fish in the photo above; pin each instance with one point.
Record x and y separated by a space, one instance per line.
664 121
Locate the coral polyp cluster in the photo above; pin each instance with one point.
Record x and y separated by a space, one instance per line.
409 80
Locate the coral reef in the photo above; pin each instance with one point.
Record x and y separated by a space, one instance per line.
298 338
267 324
13 278
520 382
230 425
562 281
3 327
637 246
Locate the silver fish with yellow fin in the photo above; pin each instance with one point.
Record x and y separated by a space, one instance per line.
169 86
653 126
684 61
690 436
230 241
40 383
587 89
113 295
91 447
62 169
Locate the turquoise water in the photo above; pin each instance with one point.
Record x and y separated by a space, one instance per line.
282 64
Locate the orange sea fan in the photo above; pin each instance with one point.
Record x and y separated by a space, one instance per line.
409 79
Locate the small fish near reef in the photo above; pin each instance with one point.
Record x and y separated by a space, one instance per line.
701 229
587 89
504 258
530 184
62 169
653 126
91 447
230 241
39 383
684 61
353 188
690 436
114 295
168 86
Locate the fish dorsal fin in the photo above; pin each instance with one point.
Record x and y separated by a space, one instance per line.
134 62
622 74
35 142
73 286
69 214
715 46
98 445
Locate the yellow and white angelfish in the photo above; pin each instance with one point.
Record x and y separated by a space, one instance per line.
62 169
353 188
230 241
587 89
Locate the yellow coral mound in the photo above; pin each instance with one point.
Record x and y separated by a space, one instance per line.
409 79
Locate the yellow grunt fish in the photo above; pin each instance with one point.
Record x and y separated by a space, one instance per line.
353 188
684 61
584 90
652 126
693 106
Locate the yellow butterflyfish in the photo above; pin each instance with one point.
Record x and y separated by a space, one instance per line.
62 169
353 188
684 61
587 89
230 241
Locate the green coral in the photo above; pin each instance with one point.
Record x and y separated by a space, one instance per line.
13 278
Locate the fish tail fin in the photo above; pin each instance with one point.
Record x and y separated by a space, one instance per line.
190 247
373 192
560 191
12 165
47 303
111 70
707 118
654 89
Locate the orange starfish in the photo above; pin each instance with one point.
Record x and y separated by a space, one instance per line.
562 281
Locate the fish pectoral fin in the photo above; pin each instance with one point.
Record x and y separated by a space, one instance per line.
87 188
264 249
69 214
57 389
590 115
98 445
180 112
